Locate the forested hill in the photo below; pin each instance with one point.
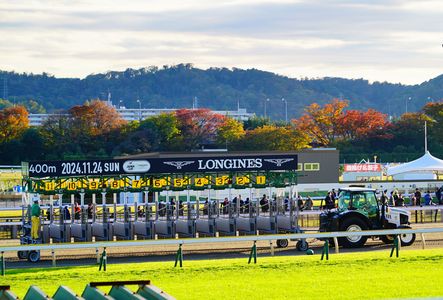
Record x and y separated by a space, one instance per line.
215 88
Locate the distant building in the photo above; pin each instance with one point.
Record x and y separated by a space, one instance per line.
133 114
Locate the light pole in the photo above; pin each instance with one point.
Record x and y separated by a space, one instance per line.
286 109
407 100
266 101
120 102
139 110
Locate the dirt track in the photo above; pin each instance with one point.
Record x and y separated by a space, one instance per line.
206 251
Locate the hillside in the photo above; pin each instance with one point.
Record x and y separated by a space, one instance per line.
215 88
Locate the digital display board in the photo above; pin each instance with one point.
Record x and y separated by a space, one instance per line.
73 168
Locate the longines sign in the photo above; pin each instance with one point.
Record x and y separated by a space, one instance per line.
42 169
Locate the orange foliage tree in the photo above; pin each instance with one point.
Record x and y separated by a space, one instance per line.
90 129
357 124
13 122
198 126
322 123
95 118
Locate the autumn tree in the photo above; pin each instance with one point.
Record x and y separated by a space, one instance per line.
197 127
357 124
95 118
322 123
92 129
95 126
13 122
273 138
229 131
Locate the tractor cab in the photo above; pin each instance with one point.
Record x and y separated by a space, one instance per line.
362 201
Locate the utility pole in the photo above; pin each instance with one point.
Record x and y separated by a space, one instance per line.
5 87
286 109
407 100
266 101
195 103
139 109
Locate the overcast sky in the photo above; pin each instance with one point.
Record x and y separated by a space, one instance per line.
390 40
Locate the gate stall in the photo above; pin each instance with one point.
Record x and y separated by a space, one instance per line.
101 226
145 217
165 223
245 220
156 184
58 229
206 216
122 226
186 216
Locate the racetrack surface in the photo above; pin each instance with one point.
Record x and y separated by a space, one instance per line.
117 255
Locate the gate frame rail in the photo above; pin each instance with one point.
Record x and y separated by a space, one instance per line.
206 240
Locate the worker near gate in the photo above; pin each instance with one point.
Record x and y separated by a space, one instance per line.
35 220
417 195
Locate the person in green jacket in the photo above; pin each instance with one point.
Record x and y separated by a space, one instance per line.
35 220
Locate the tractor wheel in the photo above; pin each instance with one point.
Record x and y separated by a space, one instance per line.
34 256
302 245
407 239
387 239
283 243
22 254
353 224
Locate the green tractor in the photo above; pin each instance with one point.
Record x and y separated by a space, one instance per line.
358 210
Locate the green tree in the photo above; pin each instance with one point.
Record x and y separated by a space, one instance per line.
256 122
408 131
157 133
57 136
434 110
165 127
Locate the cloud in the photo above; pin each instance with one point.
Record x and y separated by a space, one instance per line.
397 41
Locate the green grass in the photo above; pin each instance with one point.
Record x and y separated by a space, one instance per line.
372 275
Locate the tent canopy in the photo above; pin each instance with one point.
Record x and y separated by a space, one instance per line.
427 163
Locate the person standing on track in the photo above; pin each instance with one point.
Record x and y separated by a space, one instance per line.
35 220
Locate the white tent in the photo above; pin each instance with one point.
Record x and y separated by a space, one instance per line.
425 164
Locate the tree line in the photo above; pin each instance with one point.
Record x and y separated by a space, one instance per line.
215 88
96 130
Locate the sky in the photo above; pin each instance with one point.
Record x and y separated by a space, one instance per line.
390 40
